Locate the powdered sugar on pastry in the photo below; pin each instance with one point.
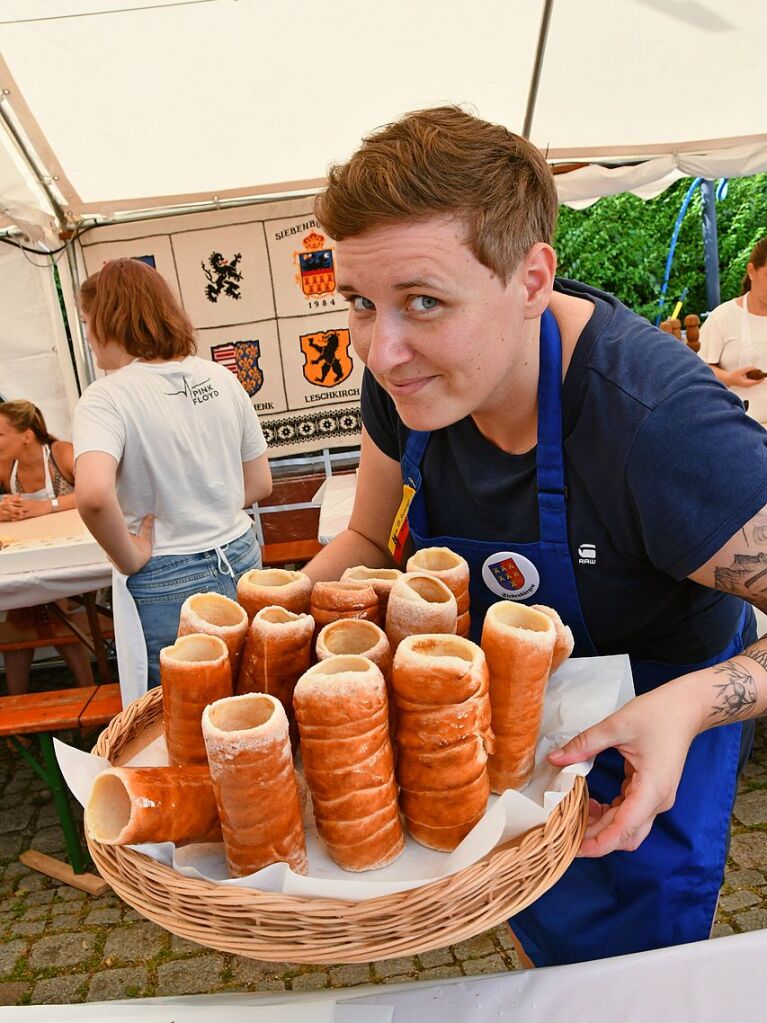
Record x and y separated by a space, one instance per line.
216 615
341 708
518 643
270 587
194 672
349 598
564 643
381 579
254 782
419 604
277 652
443 732
453 570
133 805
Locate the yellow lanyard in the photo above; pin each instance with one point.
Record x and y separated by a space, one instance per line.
400 530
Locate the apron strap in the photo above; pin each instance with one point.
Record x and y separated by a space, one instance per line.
549 456
412 456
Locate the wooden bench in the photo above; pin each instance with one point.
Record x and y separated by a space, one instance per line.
292 552
48 625
40 714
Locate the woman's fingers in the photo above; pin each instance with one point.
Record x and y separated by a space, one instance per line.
585 745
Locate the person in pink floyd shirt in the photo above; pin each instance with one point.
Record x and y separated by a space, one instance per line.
37 473
733 338
516 416
168 452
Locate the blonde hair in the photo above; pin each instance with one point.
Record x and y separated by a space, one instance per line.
23 415
444 161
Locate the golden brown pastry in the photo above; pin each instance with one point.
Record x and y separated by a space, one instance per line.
419 604
277 653
216 615
518 643
342 714
134 805
440 684
355 636
564 643
381 579
366 639
453 570
194 672
274 587
348 599
255 783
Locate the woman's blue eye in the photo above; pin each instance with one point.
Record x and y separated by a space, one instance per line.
423 303
360 304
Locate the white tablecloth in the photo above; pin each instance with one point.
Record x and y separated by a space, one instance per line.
23 589
336 500
57 558
706 982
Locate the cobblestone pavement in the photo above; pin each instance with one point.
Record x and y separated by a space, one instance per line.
59 945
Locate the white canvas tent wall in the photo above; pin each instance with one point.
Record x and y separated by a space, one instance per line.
142 105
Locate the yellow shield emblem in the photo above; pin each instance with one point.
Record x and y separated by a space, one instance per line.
327 361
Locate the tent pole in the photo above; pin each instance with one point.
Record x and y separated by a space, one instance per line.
533 93
85 362
31 162
710 243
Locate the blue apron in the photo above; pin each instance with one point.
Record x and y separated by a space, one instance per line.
664 893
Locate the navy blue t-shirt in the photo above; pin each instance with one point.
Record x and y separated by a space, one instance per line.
662 467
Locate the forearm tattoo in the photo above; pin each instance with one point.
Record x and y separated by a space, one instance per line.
758 527
746 577
760 656
734 694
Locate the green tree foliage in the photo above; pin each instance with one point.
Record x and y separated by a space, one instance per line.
621 244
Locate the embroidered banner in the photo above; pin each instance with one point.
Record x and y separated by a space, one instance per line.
258 283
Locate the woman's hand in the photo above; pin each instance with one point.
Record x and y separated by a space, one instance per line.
653 734
6 507
24 508
140 548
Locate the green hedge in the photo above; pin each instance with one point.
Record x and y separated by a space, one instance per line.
621 244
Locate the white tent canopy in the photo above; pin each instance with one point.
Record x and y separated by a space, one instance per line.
118 109
141 104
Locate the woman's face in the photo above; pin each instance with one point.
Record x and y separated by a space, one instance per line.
12 441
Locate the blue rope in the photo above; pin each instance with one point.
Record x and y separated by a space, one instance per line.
674 238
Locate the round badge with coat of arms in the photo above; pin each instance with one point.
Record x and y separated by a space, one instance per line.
510 576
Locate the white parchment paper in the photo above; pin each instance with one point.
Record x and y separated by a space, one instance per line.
583 692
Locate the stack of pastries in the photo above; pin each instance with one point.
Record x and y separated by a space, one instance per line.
401 723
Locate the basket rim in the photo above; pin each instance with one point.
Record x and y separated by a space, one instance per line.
195 908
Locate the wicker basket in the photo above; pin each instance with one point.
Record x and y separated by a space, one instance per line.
272 926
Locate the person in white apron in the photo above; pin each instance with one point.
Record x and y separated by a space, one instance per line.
521 418
169 452
733 339
37 471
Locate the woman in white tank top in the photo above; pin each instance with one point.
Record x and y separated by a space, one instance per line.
36 469
733 340
37 472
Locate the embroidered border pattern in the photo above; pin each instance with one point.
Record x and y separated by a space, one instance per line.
319 426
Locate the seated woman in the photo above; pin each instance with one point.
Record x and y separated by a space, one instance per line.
37 472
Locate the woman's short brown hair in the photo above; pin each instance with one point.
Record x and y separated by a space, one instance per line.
129 303
444 161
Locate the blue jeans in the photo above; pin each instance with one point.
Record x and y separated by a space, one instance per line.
165 582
